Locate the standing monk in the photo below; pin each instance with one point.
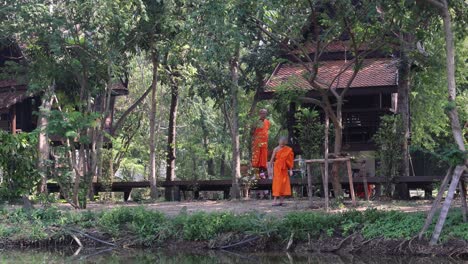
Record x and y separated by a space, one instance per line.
283 158
260 142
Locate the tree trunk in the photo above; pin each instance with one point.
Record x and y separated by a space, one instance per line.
435 204
44 146
338 126
325 175
453 116
79 156
462 188
447 203
152 144
171 134
403 103
234 65
222 165
171 139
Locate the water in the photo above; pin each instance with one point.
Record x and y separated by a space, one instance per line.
207 257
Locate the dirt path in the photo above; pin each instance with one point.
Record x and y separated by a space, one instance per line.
263 206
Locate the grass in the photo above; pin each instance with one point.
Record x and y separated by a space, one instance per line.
150 228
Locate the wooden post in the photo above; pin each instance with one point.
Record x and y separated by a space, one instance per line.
402 191
325 146
428 192
309 182
363 173
13 119
366 186
127 195
322 174
351 185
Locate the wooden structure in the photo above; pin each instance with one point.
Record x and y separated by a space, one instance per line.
325 181
420 182
18 105
371 95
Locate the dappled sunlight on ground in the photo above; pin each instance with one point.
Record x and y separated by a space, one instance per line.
264 206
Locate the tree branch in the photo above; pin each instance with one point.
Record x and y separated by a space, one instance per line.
436 4
119 123
311 101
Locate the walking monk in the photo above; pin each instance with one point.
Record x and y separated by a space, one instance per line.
260 142
283 158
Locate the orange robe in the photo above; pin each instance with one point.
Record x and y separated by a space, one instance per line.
260 145
284 161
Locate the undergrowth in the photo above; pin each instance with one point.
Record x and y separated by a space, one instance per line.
148 227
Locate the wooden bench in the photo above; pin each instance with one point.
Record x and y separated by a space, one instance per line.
406 183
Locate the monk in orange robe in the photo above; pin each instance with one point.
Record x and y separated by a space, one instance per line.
283 158
260 142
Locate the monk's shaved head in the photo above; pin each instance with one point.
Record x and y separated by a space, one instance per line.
262 113
283 140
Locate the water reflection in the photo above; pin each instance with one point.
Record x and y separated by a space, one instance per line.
208 257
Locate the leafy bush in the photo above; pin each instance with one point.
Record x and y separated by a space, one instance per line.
150 227
311 132
315 224
49 214
145 224
389 139
395 225
18 162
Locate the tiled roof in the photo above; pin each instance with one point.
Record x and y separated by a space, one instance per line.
373 73
11 93
335 46
8 83
119 89
12 97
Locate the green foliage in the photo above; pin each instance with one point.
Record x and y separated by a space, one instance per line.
69 124
395 225
145 224
18 161
150 227
313 224
205 226
311 133
389 139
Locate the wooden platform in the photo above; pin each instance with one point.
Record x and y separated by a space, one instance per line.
404 184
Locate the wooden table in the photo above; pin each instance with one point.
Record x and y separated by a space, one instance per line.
346 160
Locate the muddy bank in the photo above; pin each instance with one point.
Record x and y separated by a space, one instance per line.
354 244
351 232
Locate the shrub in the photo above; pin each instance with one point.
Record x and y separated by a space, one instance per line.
145 224
315 224
394 225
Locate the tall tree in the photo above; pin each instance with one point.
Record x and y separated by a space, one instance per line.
152 35
443 8
222 35
152 141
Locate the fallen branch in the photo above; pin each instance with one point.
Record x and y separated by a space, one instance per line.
290 242
338 247
92 238
248 240
77 240
409 244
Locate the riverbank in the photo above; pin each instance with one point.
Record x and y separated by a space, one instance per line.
382 232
